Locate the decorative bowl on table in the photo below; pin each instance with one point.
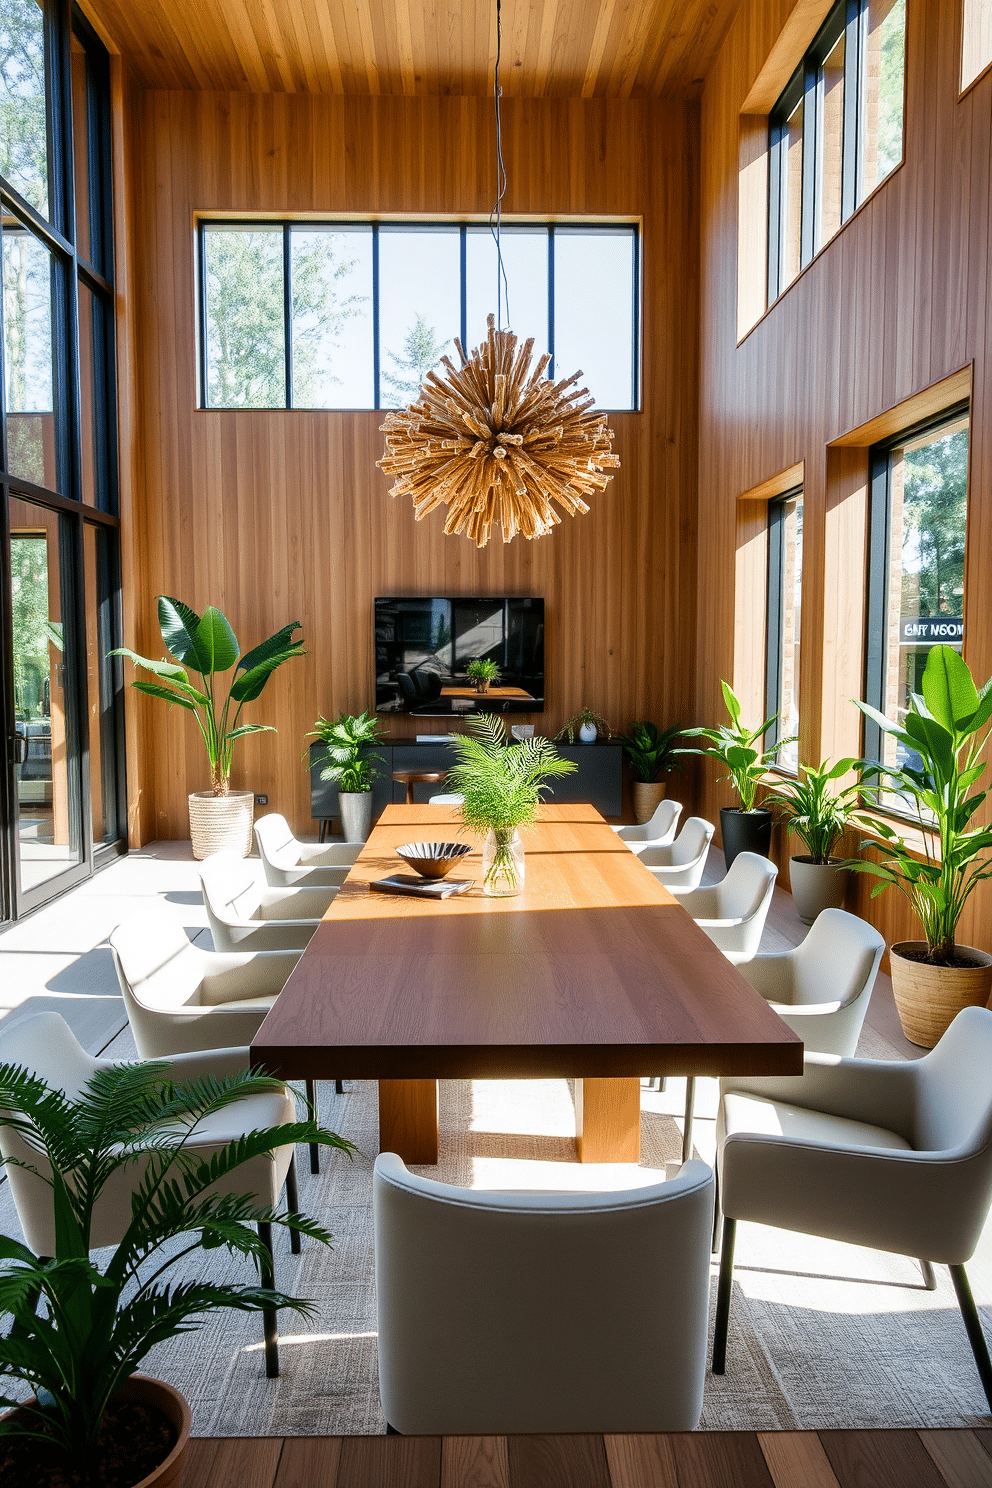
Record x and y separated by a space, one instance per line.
432 859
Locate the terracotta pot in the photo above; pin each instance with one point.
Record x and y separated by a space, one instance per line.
160 1396
647 796
221 823
929 998
817 886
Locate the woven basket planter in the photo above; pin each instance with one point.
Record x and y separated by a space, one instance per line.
646 796
221 823
929 998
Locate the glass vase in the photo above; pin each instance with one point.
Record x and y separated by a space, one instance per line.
503 868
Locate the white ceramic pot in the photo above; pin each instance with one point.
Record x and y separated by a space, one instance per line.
587 733
221 823
817 886
355 810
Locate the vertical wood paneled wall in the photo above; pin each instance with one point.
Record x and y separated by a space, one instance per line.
898 301
277 516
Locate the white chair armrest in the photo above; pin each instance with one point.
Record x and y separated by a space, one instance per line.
296 904
771 976
229 1061
232 978
270 935
881 1092
701 903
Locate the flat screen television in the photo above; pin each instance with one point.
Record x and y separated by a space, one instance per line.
424 645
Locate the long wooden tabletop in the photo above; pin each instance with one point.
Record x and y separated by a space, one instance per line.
594 971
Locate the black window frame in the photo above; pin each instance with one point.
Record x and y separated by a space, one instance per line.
879 557
563 227
774 613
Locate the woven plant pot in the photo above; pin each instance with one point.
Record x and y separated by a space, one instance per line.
646 797
929 998
221 823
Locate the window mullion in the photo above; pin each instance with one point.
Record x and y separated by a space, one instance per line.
376 391
287 302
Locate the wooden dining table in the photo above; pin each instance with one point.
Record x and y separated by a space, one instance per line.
594 972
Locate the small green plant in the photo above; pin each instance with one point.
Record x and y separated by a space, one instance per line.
349 747
483 669
739 749
584 719
814 809
97 1322
946 729
501 783
650 750
208 646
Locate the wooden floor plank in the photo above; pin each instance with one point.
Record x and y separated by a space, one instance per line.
641 1462
984 1438
796 1459
232 1462
390 1462
198 1460
309 1462
475 1462
720 1459
960 1458
557 1462
880 1459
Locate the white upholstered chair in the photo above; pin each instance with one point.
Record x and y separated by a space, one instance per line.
680 864
44 1044
893 1154
523 1312
822 987
291 864
659 830
245 914
449 798
733 912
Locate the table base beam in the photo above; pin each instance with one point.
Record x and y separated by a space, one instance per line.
408 1119
608 1120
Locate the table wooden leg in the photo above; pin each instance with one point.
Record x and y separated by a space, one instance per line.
408 1119
608 1120
409 793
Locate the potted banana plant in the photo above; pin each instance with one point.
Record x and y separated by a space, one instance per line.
220 819
650 753
818 811
936 777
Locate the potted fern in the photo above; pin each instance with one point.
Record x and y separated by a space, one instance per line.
818 811
651 755
501 784
81 1325
220 819
349 744
483 672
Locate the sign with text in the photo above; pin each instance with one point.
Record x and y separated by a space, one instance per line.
930 630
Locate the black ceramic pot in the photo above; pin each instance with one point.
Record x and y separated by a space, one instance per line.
745 831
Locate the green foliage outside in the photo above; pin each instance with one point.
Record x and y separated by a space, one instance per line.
32 628
892 68
935 494
422 352
23 139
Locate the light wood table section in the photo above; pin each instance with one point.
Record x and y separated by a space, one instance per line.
490 692
595 972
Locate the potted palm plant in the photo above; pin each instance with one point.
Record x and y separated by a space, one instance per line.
484 672
747 827
81 1327
818 811
220 819
587 724
501 784
650 752
349 743
936 775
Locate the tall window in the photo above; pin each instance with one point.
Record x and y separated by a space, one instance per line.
918 523
61 795
976 42
836 131
785 587
354 315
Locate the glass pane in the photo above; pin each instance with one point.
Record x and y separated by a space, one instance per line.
81 147
831 144
419 307
48 821
246 341
792 198
976 50
928 499
885 60
525 292
787 703
28 274
333 353
100 681
23 133
594 312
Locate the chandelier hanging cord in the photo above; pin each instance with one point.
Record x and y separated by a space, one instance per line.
495 216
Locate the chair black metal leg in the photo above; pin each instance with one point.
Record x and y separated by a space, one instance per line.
723 1296
717 1212
690 1103
973 1325
929 1279
314 1146
293 1203
391 1430
269 1324
339 1087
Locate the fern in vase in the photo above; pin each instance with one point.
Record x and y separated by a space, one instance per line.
501 784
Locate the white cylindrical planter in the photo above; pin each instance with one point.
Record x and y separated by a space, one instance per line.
817 886
355 808
221 823
587 733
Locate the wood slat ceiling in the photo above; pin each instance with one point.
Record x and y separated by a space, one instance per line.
551 48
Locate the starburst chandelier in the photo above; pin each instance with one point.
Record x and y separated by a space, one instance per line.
492 440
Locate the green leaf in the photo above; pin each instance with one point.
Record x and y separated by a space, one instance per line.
216 642
280 643
948 689
247 685
179 624
155 689
731 701
170 670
